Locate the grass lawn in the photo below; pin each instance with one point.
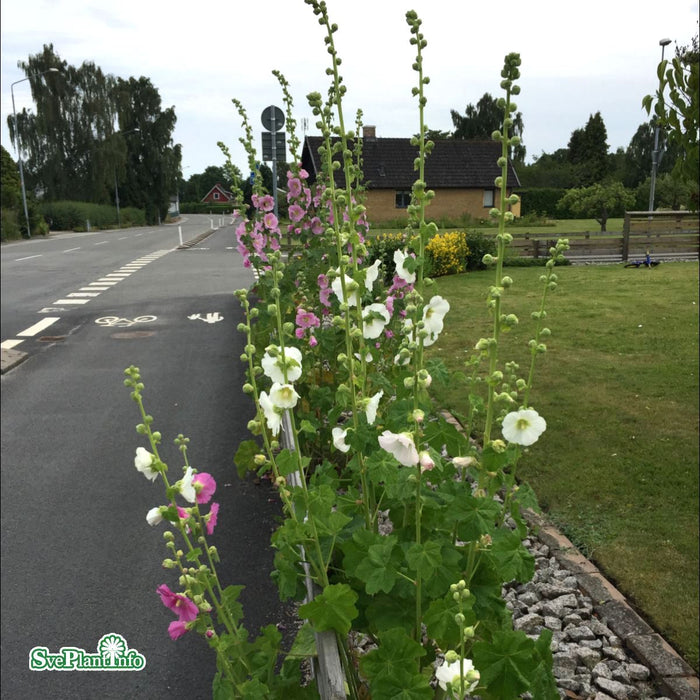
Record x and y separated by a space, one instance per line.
617 468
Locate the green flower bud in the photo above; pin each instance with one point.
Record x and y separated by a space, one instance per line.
460 619
259 460
408 382
272 309
451 657
469 632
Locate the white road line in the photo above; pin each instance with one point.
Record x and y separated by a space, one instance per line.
38 327
9 344
100 242
29 257
70 250
103 281
71 301
123 238
94 288
84 294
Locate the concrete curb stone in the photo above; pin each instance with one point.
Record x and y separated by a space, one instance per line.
11 358
674 676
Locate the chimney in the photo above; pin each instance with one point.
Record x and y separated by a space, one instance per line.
369 132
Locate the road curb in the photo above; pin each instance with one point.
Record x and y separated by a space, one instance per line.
10 359
196 239
674 676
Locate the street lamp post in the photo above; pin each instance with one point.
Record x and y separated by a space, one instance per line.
17 145
663 43
116 185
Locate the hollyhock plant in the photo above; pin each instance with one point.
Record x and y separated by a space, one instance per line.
372 406
211 518
274 364
401 446
433 317
177 629
272 416
154 516
375 317
339 436
283 396
523 427
186 486
452 673
400 261
204 486
144 461
180 604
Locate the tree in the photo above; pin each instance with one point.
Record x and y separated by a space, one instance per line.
10 189
152 166
480 121
678 111
598 201
588 151
200 183
549 170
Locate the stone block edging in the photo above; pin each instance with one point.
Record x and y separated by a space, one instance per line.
11 358
674 676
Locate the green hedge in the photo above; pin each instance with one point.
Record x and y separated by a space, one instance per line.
543 201
205 208
73 216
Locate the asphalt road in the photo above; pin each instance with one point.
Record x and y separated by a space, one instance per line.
79 560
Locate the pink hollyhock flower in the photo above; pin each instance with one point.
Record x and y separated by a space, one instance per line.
265 203
325 296
296 213
316 226
270 220
182 513
303 174
211 517
299 333
294 185
205 486
177 629
389 303
312 341
180 604
307 319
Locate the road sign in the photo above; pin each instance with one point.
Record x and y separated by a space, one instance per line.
272 118
279 144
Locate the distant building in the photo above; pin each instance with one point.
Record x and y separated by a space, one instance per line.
218 195
461 173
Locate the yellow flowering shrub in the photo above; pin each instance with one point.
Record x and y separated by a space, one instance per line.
447 253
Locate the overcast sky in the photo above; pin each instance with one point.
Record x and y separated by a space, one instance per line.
577 59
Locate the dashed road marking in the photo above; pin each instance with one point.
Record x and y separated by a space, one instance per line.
38 327
28 257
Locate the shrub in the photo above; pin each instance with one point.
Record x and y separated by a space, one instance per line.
73 216
447 253
478 245
10 230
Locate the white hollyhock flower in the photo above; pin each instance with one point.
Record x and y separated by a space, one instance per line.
523 427
372 406
450 673
372 274
399 259
433 315
350 286
283 395
339 436
273 367
272 416
187 490
375 317
154 516
143 461
401 446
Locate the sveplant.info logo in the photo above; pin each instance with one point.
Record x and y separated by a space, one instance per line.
113 654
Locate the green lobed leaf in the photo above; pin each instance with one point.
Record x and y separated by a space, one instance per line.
506 665
244 458
512 559
379 568
424 558
440 433
393 664
229 600
333 609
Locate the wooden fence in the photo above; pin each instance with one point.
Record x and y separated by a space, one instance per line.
667 235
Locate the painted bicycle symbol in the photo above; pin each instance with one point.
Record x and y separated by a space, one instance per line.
117 322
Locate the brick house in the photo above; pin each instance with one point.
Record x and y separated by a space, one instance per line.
461 173
217 195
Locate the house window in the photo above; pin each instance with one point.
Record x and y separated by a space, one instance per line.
488 198
403 199
216 195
